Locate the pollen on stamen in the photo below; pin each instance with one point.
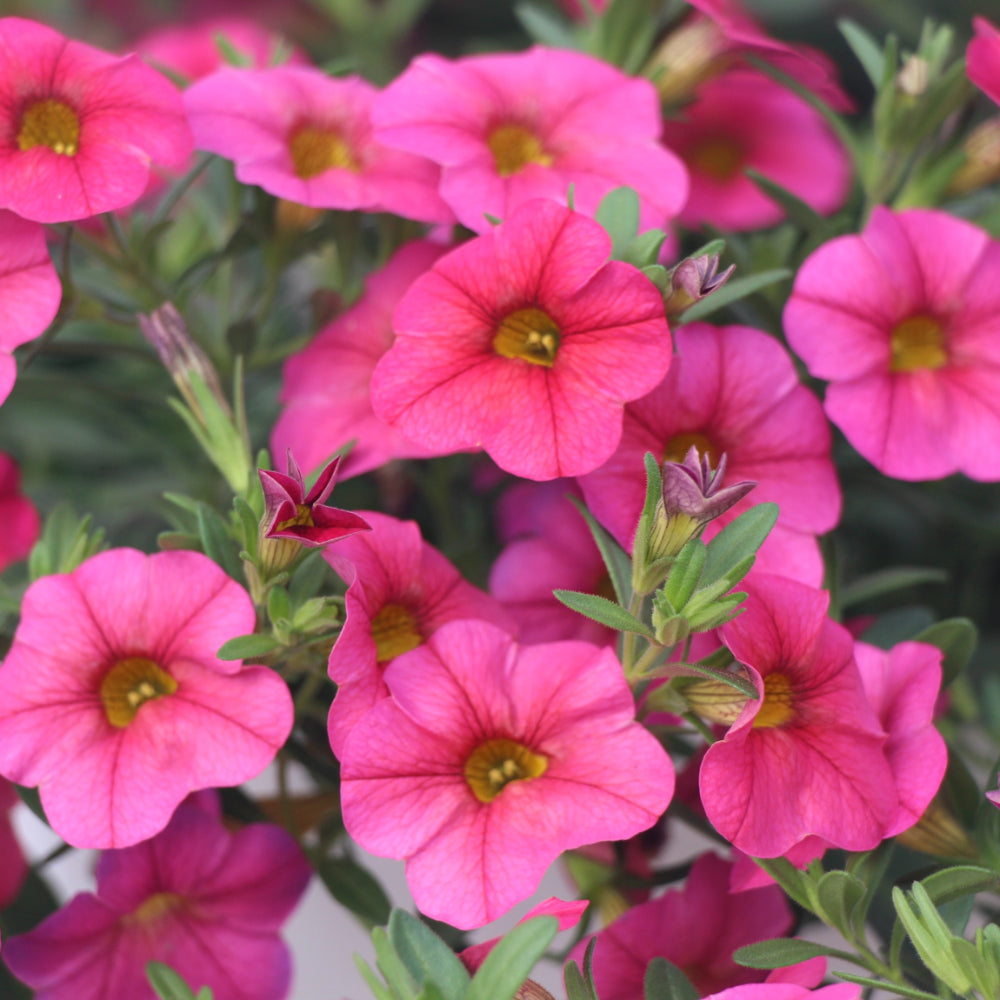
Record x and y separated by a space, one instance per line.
129 684
528 334
50 123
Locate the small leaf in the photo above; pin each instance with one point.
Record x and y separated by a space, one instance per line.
801 213
600 609
839 893
397 976
167 983
355 887
900 991
616 559
889 581
576 985
739 539
618 213
865 48
216 541
644 249
374 983
732 291
248 647
961 880
544 27
664 981
685 572
778 953
956 638
427 957
507 966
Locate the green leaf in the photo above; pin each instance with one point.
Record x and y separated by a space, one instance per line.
900 991
778 953
654 485
576 985
600 609
865 48
643 251
961 880
616 559
279 606
31 798
739 539
838 894
167 983
374 983
801 213
685 573
618 213
308 578
397 976
513 958
956 638
889 581
249 523
732 291
427 957
248 647
353 886
664 981
216 541
544 27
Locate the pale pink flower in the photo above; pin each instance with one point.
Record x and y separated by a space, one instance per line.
306 137
326 386
30 290
80 128
527 342
904 322
740 120
18 515
206 901
400 591
732 390
490 760
983 58
511 127
808 756
113 701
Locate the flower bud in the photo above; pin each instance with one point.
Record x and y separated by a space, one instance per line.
691 280
982 159
691 54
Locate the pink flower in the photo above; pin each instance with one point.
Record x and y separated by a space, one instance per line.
732 390
20 520
79 128
305 136
113 702
400 591
904 322
808 757
326 385
30 290
788 991
511 127
983 58
742 120
527 342
13 864
489 761
207 902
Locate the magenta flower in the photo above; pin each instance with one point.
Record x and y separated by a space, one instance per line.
983 58
772 990
326 386
400 591
512 127
807 757
527 342
305 136
113 701
30 290
21 523
904 322
742 120
732 390
13 864
206 901
489 761
80 128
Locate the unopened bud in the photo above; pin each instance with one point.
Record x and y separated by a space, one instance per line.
691 54
938 832
715 701
691 280
914 77
982 159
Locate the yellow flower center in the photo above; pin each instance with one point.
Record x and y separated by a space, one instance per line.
528 334
719 157
303 516
129 684
496 763
395 632
778 703
151 910
514 147
679 445
917 342
316 150
50 123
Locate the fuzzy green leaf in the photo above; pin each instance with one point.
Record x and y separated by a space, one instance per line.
616 559
427 957
513 958
248 647
734 290
778 953
664 981
956 638
600 609
355 887
618 213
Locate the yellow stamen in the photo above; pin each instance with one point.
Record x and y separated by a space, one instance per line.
678 446
514 147
719 158
303 516
778 703
152 909
528 334
129 684
49 123
395 632
316 150
917 342
496 763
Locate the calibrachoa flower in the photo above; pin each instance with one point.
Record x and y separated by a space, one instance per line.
807 757
527 342
742 120
732 390
490 760
13 864
904 322
511 127
306 137
113 702
400 591
79 128
206 901
788 991
18 515
30 290
983 58
326 386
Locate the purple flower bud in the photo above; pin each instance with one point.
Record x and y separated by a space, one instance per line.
691 280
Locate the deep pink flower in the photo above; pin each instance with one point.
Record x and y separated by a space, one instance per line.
326 386
983 58
207 902
489 761
742 120
732 390
30 290
512 127
305 136
18 515
113 702
904 322
79 128
527 342
13 864
400 591
807 757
